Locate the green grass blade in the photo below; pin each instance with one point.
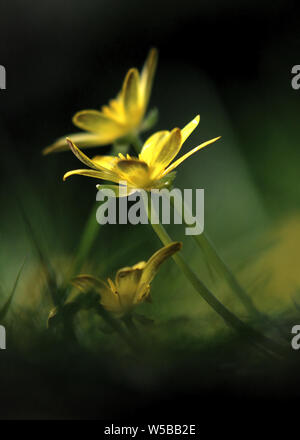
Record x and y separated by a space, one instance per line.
45 263
4 309
88 238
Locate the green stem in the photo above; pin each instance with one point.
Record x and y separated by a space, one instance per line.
131 325
259 340
88 237
137 143
117 326
69 332
216 261
209 249
134 332
87 240
211 255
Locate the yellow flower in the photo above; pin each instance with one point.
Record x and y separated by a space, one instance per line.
121 117
151 169
131 285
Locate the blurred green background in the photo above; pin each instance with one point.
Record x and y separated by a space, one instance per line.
229 61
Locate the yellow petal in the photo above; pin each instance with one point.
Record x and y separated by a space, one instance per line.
134 171
114 110
194 150
81 156
143 294
107 173
88 282
105 127
189 128
105 162
154 263
147 76
165 152
130 92
152 143
111 285
104 175
85 140
140 265
127 280
162 147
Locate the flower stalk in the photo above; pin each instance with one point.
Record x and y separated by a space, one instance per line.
88 238
263 343
128 320
117 326
215 261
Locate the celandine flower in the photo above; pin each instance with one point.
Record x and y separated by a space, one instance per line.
131 285
121 117
148 171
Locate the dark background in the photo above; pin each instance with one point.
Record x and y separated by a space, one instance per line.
231 62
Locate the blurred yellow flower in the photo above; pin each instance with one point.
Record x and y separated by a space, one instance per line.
151 169
131 285
121 117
